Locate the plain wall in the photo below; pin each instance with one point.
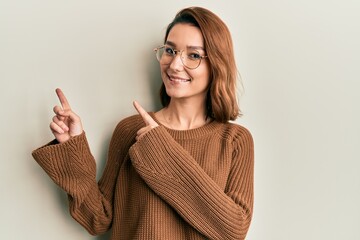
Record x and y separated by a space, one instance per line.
299 64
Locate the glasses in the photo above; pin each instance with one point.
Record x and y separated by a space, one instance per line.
190 58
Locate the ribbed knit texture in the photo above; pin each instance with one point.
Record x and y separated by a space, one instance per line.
190 184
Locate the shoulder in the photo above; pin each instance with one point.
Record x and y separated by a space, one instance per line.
125 131
132 120
235 132
241 140
129 125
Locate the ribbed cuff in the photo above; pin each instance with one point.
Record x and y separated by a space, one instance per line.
69 164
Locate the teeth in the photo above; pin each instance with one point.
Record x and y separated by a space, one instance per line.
178 80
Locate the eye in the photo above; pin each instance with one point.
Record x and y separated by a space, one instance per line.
194 56
169 51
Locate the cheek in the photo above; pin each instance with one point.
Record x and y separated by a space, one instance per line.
203 73
162 67
163 71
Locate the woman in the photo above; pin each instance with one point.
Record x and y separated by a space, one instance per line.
184 172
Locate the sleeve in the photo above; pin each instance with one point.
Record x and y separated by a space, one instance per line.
72 167
176 177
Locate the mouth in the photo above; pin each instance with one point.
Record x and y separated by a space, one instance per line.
176 79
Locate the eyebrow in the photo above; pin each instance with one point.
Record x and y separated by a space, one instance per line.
191 47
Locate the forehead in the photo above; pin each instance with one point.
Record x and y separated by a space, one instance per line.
185 35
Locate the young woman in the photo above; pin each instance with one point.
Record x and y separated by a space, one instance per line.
184 172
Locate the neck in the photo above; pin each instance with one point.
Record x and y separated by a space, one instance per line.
183 115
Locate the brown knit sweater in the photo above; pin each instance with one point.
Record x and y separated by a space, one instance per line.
191 184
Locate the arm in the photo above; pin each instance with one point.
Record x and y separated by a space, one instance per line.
173 174
72 167
69 163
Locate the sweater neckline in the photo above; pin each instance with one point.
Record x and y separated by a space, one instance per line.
208 128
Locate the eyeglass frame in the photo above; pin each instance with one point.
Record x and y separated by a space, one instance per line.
175 53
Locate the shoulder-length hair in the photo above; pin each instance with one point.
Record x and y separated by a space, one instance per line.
221 101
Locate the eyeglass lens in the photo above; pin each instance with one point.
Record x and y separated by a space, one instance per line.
190 58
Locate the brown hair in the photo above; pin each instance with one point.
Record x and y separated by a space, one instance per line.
221 103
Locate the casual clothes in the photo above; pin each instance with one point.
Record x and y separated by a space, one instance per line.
171 184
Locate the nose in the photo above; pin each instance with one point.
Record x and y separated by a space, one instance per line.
176 62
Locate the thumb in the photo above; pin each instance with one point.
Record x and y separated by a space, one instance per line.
70 114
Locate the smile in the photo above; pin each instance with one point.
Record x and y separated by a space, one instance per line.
177 79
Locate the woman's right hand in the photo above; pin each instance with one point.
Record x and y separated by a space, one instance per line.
65 124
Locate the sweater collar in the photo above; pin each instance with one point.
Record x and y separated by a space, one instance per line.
206 129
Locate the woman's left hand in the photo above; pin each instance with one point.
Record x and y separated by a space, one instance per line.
150 123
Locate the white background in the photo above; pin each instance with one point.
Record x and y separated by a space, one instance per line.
299 62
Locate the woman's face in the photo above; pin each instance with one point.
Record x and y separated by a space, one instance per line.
181 82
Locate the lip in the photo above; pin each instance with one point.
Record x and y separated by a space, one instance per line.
178 79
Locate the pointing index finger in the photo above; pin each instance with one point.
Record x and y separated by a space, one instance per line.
141 111
145 116
64 102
